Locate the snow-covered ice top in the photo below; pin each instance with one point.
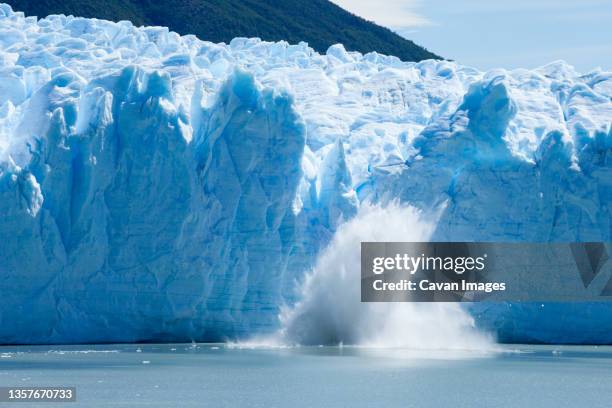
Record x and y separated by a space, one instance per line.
371 102
156 186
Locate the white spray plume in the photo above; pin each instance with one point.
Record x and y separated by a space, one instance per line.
330 310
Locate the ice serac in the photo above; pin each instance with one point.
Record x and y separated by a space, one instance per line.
127 222
159 187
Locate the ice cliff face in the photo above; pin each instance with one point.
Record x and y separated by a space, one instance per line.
158 187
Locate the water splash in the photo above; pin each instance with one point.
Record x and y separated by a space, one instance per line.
330 311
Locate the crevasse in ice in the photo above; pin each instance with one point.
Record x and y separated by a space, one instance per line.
159 187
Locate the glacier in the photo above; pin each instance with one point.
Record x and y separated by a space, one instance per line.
157 187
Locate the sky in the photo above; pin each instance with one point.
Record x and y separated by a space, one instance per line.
501 33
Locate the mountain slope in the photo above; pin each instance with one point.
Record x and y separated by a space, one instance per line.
318 22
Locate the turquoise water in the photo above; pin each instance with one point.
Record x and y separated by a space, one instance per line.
183 375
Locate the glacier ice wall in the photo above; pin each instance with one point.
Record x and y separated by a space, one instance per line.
159 187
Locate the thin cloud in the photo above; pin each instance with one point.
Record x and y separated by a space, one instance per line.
518 6
392 13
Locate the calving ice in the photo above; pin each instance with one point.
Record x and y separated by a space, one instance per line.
155 187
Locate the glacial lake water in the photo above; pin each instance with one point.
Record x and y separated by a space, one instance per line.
218 375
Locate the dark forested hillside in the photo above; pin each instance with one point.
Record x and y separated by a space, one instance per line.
318 22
